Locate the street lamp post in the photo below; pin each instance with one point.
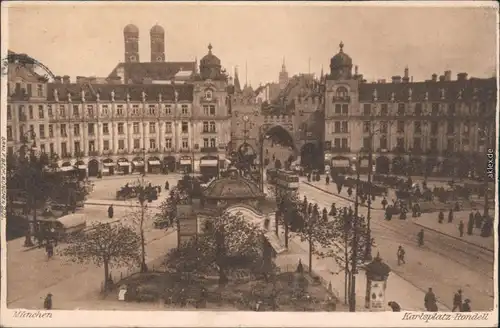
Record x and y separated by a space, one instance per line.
144 159
354 246
29 134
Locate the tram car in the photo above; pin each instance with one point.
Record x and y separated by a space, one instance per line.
287 179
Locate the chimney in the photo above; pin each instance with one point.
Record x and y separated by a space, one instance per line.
411 79
461 76
396 79
407 72
447 75
66 79
441 78
58 79
434 77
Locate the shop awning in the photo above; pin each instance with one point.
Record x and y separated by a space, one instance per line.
208 162
67 168
340 162
123 164
185 161
137 163
82 167
113 164
154 162
364 163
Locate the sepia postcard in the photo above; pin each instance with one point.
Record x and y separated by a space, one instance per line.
249 164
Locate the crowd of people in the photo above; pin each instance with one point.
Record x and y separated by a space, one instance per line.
459 304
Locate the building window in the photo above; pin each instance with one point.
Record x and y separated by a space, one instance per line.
137 143
64 149
417 127
9 112
120 128
185 127
212 127
39 90
90 129
168 143
168 127
208 95
205 126
345 127
336 128
383 127
63 131
434 128
367 108
152 109
51 148
105 144
119 110
184 110
435 109
417 144
366 126
185 144
451 109
366 143
152 143
41 131
41 114
466 128
62 111
400 143
338 109
135 110
90 110
209 110
105 110
76 130
418 109
77 147
384 110
49 111
213 143
18 88
91 145
168 109
336 143
51 131
152 127
121 144
401 109
401 126
105 128
345 109
450 145
76 111
135 128
9 133
206 142
344 143
42 148
383 142
341 93
450 128
30 91
30 111
434 144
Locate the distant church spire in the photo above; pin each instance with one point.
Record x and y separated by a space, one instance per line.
237 86
283 66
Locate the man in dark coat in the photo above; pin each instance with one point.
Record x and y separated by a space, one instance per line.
457 301
47 303
421 237
167 185
401 255
466 306
470 225
394 306
110 211
430 301
440 217
461 228
478 219
450 216
384 203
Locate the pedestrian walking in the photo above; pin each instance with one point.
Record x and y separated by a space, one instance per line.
450 216
466 306
440 217
461 228
384 203
478 220
430 301
167 185
457 301
349 191
47 303
421 238
401 255
394 306
470 225
325 215
49 248
333 210
327 179
110 211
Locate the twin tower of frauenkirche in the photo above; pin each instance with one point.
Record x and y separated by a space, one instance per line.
131 36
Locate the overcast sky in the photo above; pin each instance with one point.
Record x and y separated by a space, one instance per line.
87 39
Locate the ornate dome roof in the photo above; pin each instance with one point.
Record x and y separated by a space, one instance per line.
210 59
233 187
341 59
157 29
131 28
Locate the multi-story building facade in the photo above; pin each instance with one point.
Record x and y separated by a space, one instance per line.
148 116
436 126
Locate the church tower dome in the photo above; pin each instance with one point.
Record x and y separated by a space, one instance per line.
157 35
341 65
210 65
131 40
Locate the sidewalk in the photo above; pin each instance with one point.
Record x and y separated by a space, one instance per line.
430 221
136 176
332 190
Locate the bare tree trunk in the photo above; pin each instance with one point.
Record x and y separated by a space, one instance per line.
285 223
144 267
346 269
106 275
311 248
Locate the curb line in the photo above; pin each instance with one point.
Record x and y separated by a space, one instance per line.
118 205
343 197
457 238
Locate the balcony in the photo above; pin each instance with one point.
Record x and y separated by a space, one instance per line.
209 131
184 150
153 150
121 151
94 153
138 151
208 150
79 154
107 152
66 155
341 98
168 150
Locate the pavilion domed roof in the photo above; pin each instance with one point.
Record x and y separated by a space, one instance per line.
233 187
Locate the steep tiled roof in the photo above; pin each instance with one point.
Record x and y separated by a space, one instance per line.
167 91
137 72
482 88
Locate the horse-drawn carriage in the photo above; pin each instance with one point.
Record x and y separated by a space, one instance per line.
125 193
